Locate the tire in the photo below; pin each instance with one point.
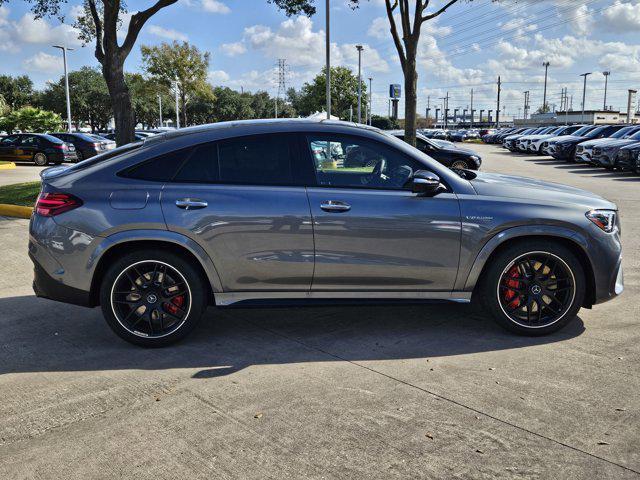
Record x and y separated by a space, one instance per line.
460 165
79 156
496 282
40 159
140 321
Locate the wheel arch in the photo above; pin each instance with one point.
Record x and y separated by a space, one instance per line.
118 244
571 239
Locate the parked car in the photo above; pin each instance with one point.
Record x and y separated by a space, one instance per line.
85 144
461 158
499 138
112 136
247 216
584 150
38 148
535 145
549 146
523 142
565 148
509 141
604 155
627 156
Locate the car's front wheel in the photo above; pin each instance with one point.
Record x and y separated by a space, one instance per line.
533 288
460 165
152 298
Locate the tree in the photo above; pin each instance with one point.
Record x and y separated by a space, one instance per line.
384 123
144 99
167 63
16 91
100 23
90 100
30 119
4 106
344 93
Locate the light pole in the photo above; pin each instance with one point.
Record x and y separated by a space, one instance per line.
584 93
544 98
606 81
360 48
177 106
66 82
370 101
328 61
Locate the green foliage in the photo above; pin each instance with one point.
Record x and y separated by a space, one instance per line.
16 91
384 123
183 62
344 94
144 99
24 194
30 119
4 106
90 101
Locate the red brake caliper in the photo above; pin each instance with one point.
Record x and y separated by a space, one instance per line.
511 295
176 302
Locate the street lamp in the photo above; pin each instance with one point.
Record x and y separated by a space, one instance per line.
606 81
584 92
66 82
544 100
370 101
328 61
360 48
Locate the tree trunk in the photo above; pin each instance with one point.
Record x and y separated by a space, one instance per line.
113 72
410 98
183 102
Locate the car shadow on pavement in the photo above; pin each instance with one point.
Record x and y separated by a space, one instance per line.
45 336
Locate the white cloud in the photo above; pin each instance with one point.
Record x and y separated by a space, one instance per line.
38 31
218 77
233 49
6 37
167 33
215 6
582 21
43 62
622 16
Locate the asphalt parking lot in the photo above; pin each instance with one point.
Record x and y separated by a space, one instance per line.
24 172
435 391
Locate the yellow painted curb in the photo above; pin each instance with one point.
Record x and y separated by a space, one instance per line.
7 166
15 211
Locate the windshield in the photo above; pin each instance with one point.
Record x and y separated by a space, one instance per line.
51 138
635 136
623 131
104 156
595 132
581 131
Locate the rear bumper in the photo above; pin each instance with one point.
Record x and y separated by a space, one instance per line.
45 286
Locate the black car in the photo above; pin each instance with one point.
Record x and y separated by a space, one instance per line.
86 145
458 158
565 149
38 148
112 136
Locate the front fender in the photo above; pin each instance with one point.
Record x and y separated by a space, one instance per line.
467 282
132 236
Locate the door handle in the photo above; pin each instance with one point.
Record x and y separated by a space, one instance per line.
191 203
335 206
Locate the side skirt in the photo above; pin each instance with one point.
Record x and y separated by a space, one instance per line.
354 297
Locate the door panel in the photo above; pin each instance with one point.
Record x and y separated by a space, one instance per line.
259 237
386 240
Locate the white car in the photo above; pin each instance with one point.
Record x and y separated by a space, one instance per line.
522 145
537 141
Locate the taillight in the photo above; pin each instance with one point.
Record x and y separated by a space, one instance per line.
59 147
52 204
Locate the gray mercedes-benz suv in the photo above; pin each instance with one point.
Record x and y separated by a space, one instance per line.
275 211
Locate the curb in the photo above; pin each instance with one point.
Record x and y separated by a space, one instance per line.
7 166
15 211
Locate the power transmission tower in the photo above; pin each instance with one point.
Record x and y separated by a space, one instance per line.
282 80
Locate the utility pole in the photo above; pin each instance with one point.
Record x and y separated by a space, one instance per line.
498 104
66 82
177 106
360 48
606 81
472 110
160 108
526 104
327 48
370 101
282 81
446 110
630 101
544 98
584 93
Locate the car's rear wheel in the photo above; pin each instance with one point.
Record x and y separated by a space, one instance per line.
40 159
460 165
152 298
534 288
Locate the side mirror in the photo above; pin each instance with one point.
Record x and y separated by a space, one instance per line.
425 183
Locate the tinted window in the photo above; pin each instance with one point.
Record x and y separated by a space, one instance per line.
161 168
264 160
344 161
30 141
201 166
50 138
10 139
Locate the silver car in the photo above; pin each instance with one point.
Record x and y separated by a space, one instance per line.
274 212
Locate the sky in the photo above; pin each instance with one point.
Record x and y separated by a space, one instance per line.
466 48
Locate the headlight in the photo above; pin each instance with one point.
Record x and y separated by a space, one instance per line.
475 158
605 220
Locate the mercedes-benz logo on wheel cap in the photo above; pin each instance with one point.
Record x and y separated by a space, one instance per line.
151 298
536 289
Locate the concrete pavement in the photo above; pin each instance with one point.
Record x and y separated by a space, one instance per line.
434 391
24 172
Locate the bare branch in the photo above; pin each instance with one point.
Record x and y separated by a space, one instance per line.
438 12
394 32
98 26
137 22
